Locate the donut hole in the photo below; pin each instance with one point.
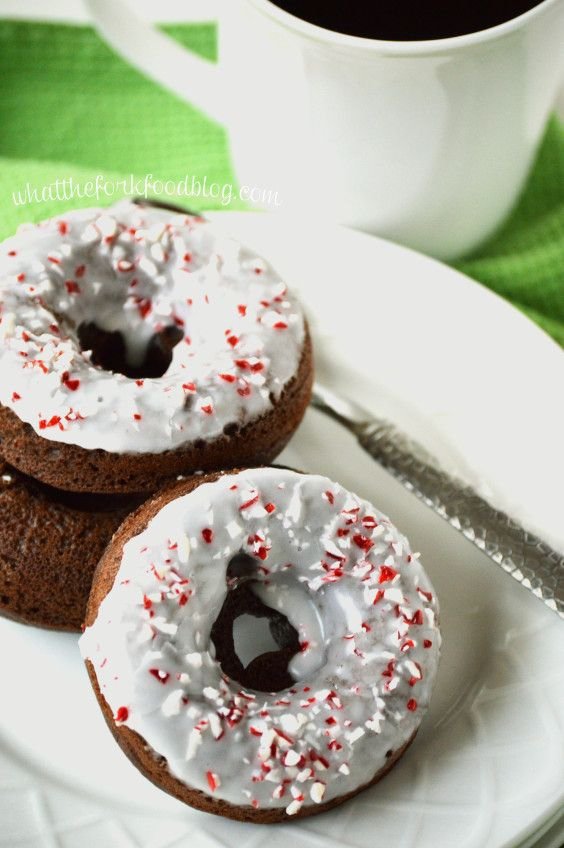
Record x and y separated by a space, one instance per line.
252 637
253 642
109 351
240 567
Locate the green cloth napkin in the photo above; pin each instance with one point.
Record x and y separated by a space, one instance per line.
70 108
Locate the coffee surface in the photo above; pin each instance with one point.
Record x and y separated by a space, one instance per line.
405 20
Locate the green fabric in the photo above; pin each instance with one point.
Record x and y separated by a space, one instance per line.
69 107
524 261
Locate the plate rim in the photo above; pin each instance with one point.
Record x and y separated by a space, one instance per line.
401 249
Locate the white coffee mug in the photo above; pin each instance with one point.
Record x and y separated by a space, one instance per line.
427 143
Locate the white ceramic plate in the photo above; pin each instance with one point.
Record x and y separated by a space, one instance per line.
460 369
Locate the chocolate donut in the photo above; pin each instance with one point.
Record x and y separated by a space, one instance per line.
317 717
137 344
50 544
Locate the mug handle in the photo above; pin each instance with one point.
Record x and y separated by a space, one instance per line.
161 58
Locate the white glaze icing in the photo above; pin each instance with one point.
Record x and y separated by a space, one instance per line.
138 269
344 576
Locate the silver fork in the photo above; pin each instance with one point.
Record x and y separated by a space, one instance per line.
529 560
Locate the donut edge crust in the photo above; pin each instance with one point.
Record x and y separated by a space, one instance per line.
152 765
46 575
76 469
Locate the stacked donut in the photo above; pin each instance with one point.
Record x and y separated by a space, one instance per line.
136 344
150 369
296 730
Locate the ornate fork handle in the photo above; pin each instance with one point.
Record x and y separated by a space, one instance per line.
524 556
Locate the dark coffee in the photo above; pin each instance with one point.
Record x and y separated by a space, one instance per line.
406 20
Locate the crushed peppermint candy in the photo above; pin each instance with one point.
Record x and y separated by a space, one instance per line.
369 640
141 271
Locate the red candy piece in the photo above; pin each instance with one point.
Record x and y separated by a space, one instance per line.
363 542
249 503
43 424
212 779
386 574
144 307
161 676
71 384
122 714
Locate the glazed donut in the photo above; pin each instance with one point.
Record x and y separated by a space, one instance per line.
138 343
50 544
290 732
